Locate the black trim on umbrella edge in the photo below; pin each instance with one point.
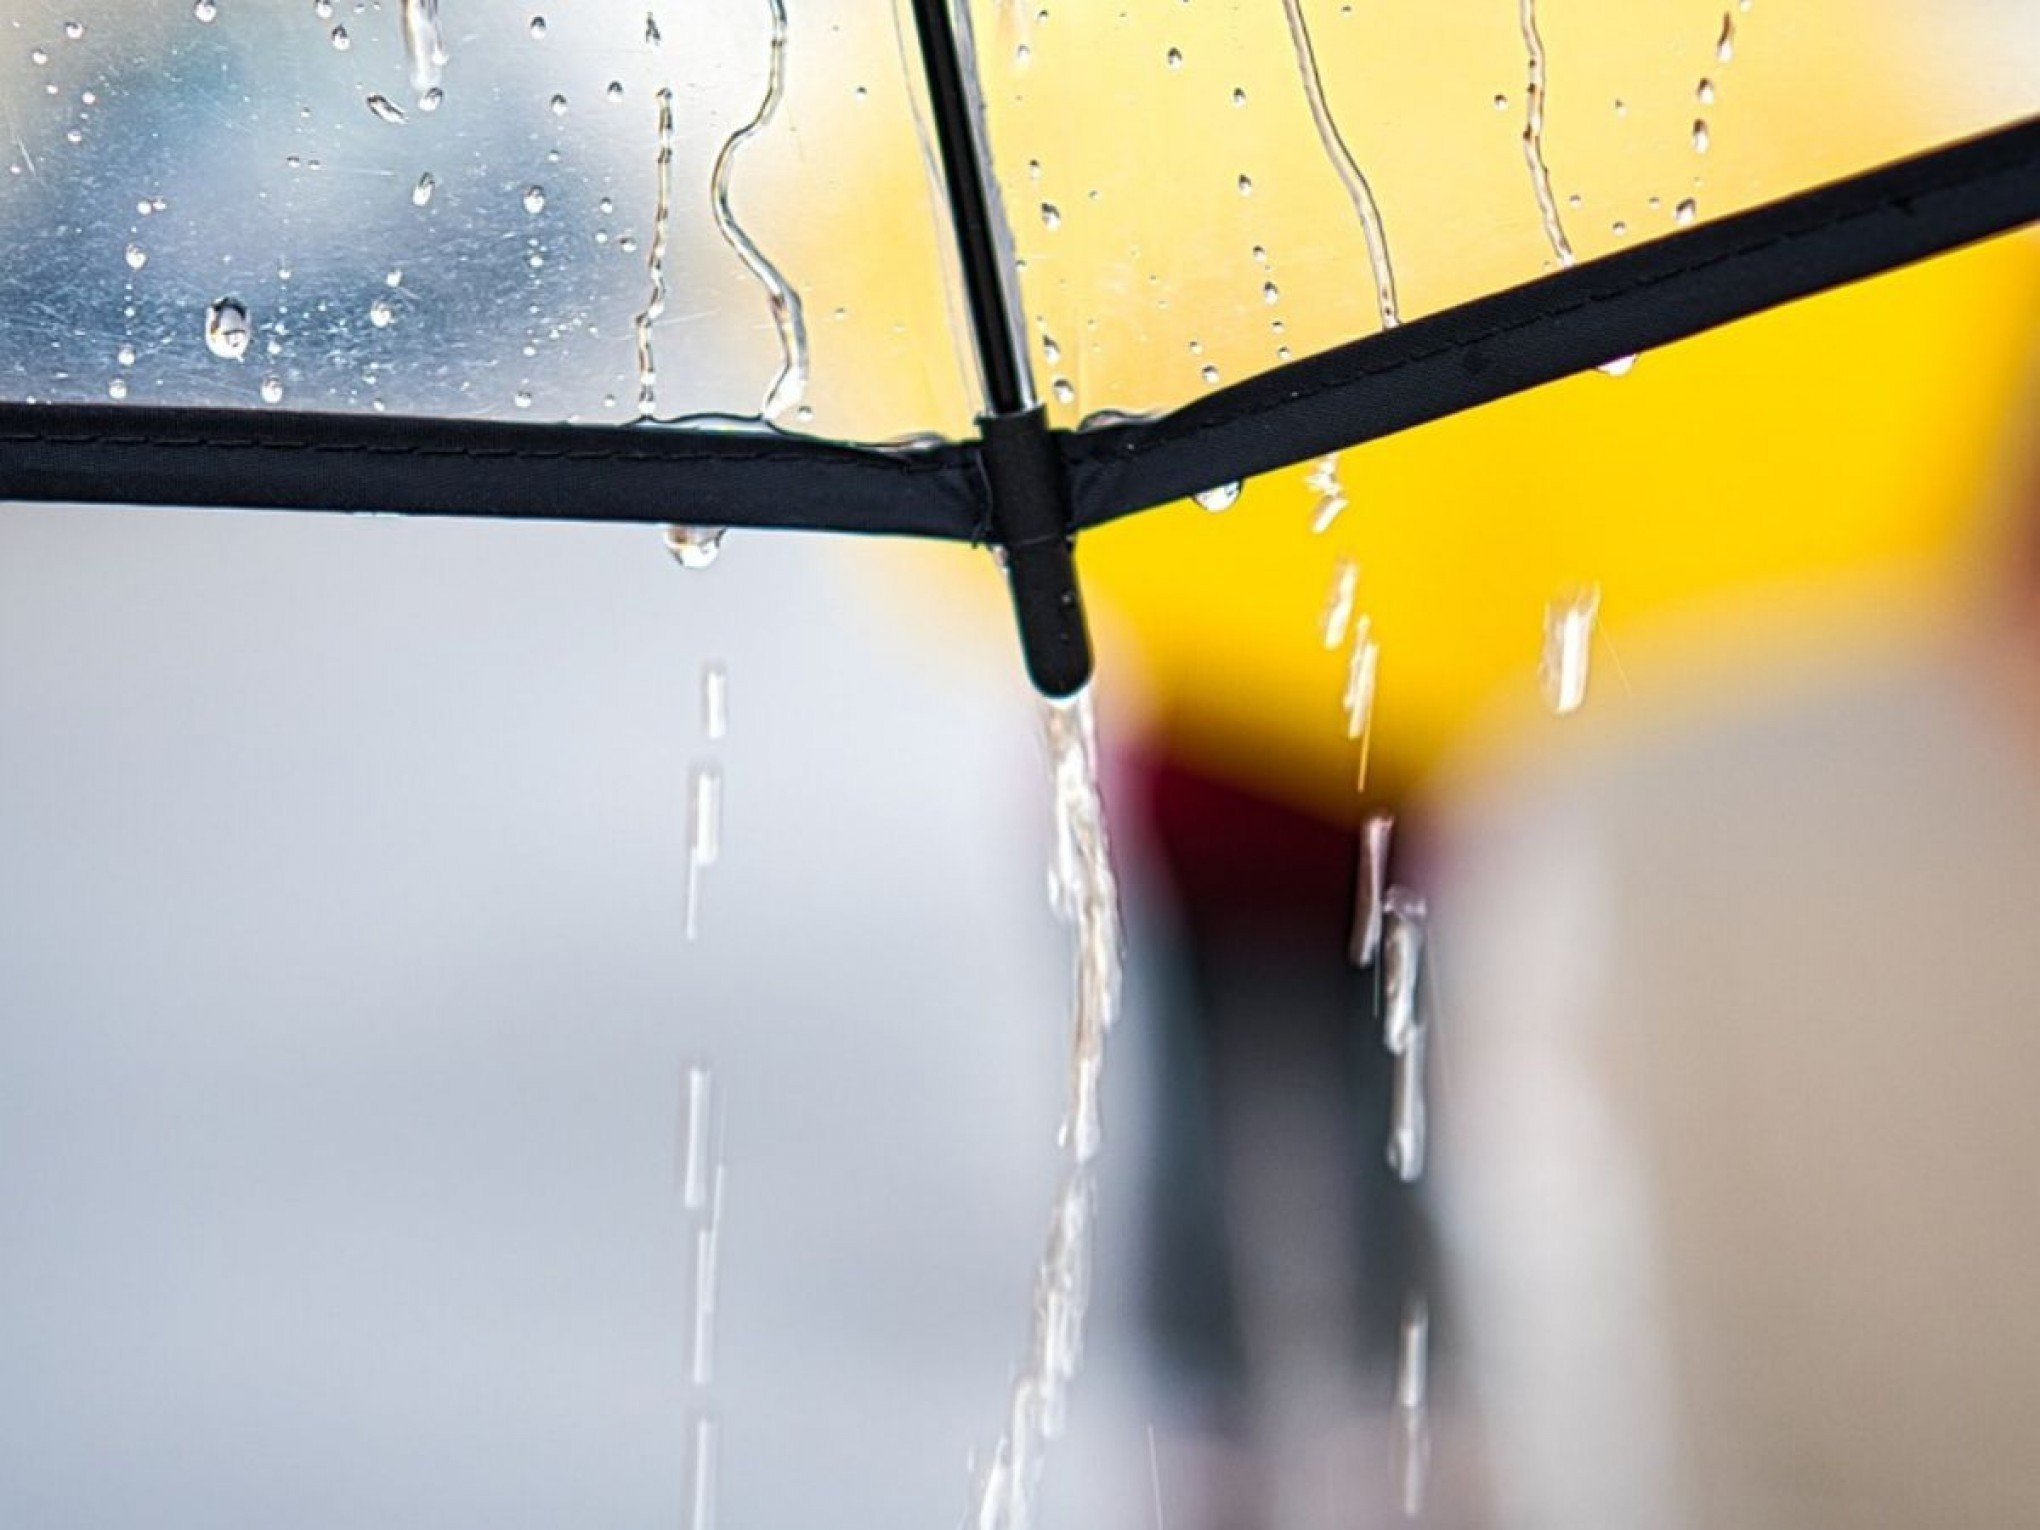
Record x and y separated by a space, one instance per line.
1616 306
1643 298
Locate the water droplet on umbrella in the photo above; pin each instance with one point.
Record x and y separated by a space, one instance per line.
422 192
537 27
1051 215
340 39
117 389
1219 497
227 330
1174 58
1246 186
695 546
1701 137
380 314
1618 366
272 390
1724 46
1704 93
205 10
1685 212
137 257
386 109
534 199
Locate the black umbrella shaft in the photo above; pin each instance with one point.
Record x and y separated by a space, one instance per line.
973 212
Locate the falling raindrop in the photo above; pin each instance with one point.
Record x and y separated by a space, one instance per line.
1403 1029
1412 1431
1219 497
704 837
715 701
707 1249
386 109
701 1495
1369 878
1338 612
227 330
697 1138
786 390
1324 482
695 546
1568 649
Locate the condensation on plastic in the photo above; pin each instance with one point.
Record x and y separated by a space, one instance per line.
479 253
1183 225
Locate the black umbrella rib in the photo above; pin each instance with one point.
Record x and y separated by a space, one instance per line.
1492 347
278 460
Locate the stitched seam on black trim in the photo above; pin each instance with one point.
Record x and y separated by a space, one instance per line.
836 456
1162 435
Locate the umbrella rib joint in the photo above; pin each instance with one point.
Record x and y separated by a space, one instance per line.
1024 475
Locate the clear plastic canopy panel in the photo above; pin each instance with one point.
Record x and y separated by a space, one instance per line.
1202 191
440 208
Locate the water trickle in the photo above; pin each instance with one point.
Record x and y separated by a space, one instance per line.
1358 191
702 1474
424 44
786 390
1218 497
1360 676
227 330
1084 893
1533 135
1402 957
1403 1030
1412 1431
1370 877
655 268
1338 610
1568 649
704 836
1324 482
707 1264
697 1141
715 701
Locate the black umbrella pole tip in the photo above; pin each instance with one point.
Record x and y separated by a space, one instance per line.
1030 520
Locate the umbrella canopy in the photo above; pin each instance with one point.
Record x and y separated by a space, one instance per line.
615 264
